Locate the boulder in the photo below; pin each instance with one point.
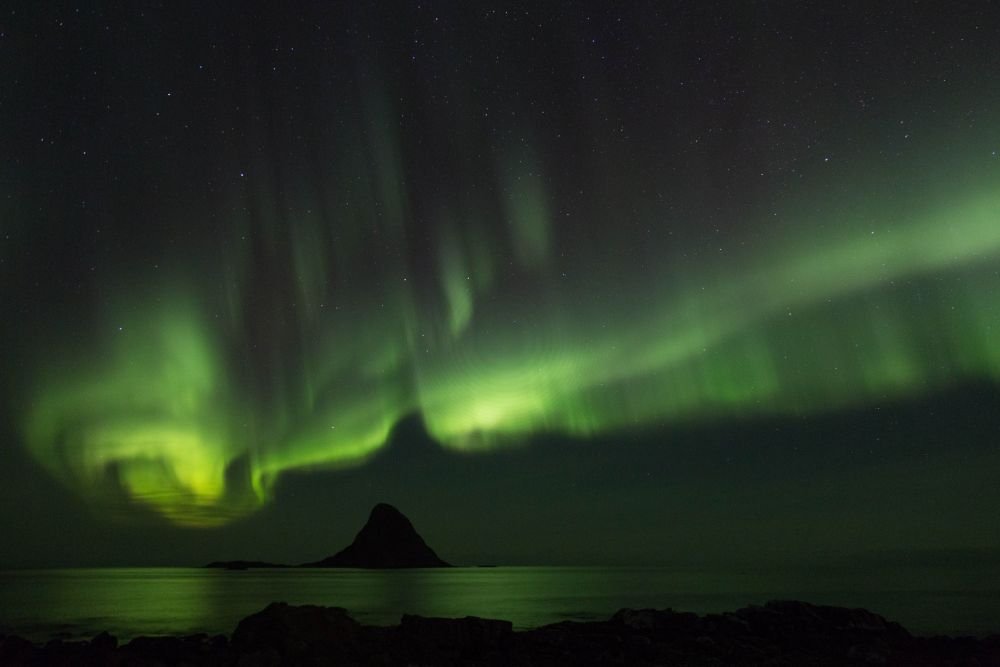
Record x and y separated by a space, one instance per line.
469 634
289 631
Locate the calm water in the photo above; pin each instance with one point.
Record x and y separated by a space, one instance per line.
127 602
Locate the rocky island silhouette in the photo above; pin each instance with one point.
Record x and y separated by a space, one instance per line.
388 540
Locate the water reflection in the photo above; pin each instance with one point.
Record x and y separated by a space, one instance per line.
130 602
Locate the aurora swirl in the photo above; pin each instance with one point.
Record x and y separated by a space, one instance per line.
163 413
502 289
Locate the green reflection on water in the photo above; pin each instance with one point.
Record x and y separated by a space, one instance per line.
128 602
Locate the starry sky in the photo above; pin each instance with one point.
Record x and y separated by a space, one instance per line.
568 282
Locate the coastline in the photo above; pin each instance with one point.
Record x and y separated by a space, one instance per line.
776 633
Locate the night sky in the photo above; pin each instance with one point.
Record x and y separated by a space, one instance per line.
711 283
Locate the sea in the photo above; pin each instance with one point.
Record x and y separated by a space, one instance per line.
128 602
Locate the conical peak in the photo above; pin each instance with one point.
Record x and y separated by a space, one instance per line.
387 540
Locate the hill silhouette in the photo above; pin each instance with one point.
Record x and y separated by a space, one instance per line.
387 540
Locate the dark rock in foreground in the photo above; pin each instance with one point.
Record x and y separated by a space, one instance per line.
387 540
778 633
307 633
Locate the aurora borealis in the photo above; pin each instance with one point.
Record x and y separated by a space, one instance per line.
239 247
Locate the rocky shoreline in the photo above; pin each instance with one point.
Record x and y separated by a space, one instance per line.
777 633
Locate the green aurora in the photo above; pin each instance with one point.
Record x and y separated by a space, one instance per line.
193 406
264 243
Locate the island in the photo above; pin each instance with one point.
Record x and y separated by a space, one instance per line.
242 564
388 540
